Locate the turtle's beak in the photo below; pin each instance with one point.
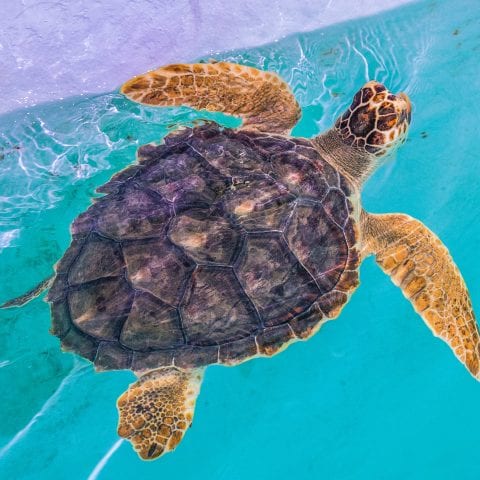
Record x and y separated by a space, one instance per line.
407 100
408 106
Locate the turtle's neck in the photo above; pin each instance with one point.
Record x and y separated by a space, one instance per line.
353 163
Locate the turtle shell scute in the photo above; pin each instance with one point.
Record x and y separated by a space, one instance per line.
217 246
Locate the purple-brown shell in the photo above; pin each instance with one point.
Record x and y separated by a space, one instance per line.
217 246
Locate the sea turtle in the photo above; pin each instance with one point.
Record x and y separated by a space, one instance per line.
221 245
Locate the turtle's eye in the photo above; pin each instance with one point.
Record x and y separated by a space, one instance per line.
375 120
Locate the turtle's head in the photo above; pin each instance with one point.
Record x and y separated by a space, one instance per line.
376 121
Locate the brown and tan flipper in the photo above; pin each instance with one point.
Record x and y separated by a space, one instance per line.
263 101
419 263
157 409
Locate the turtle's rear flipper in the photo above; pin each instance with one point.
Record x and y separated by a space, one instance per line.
156 411
261 99
30 295
419 263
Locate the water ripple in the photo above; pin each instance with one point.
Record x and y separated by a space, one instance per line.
325 70
101 464
77 369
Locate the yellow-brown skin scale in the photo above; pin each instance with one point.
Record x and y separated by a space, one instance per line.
376 120
261 99
156 410
422 267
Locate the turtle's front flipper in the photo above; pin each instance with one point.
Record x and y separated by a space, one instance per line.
419 263
157 409
261 99
30 295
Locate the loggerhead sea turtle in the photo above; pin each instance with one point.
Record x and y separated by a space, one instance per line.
221 245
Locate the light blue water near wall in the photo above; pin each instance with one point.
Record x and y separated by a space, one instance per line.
373 394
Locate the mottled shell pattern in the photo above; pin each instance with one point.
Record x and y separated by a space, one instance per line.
218 246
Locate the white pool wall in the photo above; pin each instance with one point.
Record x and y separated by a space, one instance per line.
50 50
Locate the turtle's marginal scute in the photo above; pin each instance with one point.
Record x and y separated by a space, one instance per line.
64 264
305 324
61 321
236 351
270 145
83 225
331 302
59 288
112 356
77 342
194 356
119 179
271 339
151 360
220 245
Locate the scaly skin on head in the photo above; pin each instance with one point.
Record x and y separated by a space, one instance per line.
375 123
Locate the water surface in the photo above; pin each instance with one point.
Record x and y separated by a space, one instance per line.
373 394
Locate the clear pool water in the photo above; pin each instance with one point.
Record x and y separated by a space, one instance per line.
373 394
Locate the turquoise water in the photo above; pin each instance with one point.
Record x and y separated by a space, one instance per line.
373 394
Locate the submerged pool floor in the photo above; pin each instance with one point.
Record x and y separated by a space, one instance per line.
373 394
